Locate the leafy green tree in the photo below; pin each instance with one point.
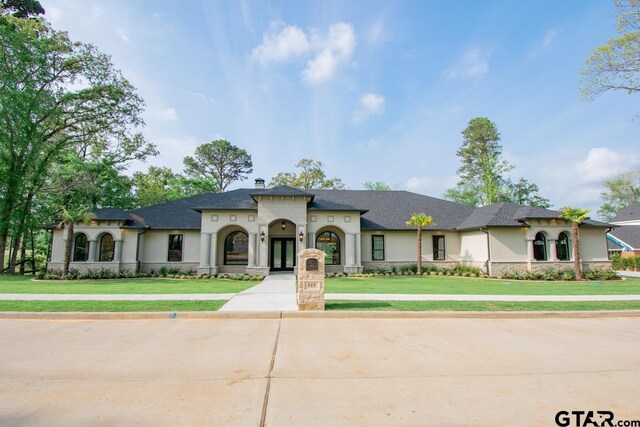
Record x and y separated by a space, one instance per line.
621 190
376 186
524 192
576 216
482 170
160 184
420 220
219 162
615 65
45 111
310 176
22 8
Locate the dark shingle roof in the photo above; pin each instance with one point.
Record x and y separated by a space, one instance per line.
110 214
507 214
281 190
630 213
380 210
184 213
629 234
389 210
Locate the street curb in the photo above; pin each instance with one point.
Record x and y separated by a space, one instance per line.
222 315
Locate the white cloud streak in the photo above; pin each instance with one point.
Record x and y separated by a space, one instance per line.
473 64
323 55
334 51
281 46
370 104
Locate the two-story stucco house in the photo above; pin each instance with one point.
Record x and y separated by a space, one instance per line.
260 230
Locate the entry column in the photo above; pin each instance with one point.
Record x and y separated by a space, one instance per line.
253 238
205 254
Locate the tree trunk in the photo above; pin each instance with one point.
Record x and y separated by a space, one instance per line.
419 250
576 253
67 249
15 248
33 253
23 253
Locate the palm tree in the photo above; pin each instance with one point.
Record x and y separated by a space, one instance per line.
576 216
419 220
68 220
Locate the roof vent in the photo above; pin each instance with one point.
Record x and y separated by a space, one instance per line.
260 183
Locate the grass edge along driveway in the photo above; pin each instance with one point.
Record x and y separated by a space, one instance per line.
477 286
26 285
111 306
391 305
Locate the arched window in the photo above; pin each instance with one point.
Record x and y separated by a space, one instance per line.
107 248
329 243
540 247
236 248
80 248
562 247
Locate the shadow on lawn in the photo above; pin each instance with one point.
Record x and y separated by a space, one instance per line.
357 305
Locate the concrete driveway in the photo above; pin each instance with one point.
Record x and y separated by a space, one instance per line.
316 372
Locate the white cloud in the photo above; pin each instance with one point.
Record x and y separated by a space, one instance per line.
549 38
54 14
123 34
602 163
370 104
432 186
378 32
281 46
162 113
473 64
335 50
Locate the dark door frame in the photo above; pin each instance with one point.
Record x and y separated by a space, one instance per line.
283 253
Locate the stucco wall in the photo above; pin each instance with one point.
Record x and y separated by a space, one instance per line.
348 222
473 246
156 246
593 244
508 244
214 221
401 246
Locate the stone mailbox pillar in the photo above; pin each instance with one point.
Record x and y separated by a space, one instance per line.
310 283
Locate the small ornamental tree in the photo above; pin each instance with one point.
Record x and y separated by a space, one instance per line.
576 216
68 220
420 220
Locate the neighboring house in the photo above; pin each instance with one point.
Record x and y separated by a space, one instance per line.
625 237
260 230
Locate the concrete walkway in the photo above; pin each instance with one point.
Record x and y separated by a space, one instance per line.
277 292
628 273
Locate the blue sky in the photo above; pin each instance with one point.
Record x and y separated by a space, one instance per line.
376 90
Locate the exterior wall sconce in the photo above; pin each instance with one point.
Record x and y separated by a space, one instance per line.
301 236
283 224
262 236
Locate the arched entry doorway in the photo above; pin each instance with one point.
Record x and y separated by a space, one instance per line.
282 245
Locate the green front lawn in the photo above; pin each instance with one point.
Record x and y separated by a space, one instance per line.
110 306
481 305
25 285
475 286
